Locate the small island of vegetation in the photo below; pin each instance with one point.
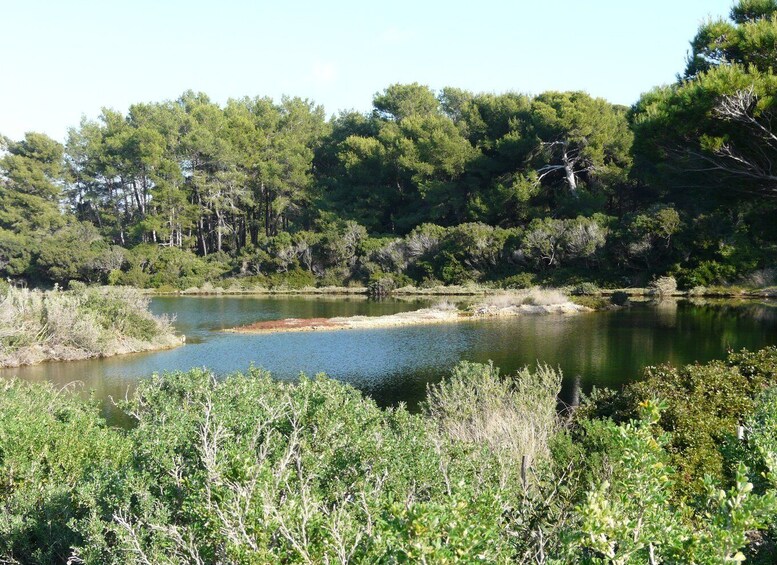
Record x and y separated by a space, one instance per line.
79 323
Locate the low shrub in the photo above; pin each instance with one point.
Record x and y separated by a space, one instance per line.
706 273
247 469
519 281
705 403
515 415
629 513
663 286
545 297
585 288
619 298
55 450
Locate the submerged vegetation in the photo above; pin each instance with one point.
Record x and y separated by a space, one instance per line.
79 323
251 470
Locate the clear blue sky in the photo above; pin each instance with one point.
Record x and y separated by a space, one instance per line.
60 59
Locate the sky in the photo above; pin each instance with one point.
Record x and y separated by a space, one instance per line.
64 60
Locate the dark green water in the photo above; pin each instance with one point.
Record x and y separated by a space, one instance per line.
392 365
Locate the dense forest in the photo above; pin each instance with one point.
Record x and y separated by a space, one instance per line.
430 187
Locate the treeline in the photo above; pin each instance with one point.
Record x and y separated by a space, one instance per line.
680 183
247 469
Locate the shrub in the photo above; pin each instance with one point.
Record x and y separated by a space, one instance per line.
761 429
663 286
514 415
704 405
550 242
519 281
585 288
381 287
706 273
54 450
150 265
256 470
619 298
628 515
544 297
247 469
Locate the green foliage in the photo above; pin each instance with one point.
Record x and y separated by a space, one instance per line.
183 192
154 266
706 273
580 139
16 253
252 470
761 429
630 516
77 252
550 243
704 406
31 172
52 444
256 470
519 281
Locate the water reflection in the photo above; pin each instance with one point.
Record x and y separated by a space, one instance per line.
395 364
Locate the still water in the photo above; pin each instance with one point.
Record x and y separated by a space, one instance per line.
395 364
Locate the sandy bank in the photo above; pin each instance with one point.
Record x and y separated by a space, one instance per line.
425 316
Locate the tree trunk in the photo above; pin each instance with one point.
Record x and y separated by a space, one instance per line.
569 171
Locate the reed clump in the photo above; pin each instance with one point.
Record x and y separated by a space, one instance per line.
515 416
80 323
531 297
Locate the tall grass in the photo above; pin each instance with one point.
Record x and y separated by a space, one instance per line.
87 322
533 297
514 416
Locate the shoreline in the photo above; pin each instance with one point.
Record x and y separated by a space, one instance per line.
38 354
424 316
454 290
81 323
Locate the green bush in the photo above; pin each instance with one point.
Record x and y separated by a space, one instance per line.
585 288
628 513
127 315
705 404
152 266
247 469
619 298
54 450
706 273
519 281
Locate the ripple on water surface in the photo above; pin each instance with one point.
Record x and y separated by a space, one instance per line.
394 364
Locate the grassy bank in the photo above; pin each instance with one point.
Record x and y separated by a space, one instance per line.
473 289
80 323
247 469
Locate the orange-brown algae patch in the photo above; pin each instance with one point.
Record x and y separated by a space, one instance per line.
289 325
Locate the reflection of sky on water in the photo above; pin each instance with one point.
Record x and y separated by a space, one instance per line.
394 364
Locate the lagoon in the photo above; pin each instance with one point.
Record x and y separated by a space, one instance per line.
393 365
